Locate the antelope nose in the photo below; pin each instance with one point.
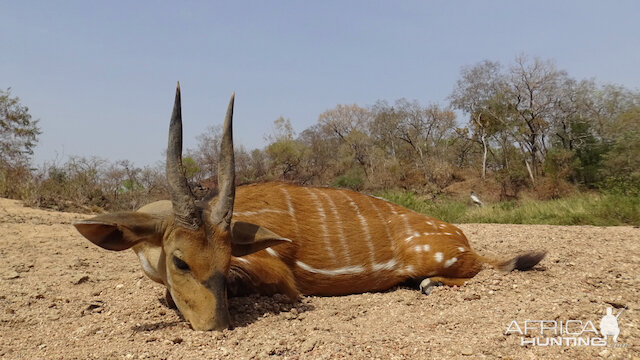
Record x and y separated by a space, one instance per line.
218 323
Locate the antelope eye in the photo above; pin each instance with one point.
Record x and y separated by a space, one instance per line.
180 264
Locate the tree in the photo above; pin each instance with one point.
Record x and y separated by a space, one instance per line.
206 153
18 131
534 92
623 160
476 91
417 136
258 165
343 119
191 168
350 124
320 164
285 152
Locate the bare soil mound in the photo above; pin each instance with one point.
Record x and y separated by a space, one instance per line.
64 298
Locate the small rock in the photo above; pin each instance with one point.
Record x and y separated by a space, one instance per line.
290 315
92 330
308 345
119 286
21 268
177 340
96 306
80 330
466 351
10 274
604 353
81 280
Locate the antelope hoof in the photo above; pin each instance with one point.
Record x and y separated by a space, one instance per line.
427 285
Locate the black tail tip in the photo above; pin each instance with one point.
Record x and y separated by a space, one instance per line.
528 260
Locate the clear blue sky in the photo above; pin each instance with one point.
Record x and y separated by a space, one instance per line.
101 75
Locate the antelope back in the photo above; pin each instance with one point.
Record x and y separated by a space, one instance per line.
346 242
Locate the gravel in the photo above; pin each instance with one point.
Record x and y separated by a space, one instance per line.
64 298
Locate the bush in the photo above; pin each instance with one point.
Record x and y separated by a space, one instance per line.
74 186
449 211
351 180
94 185
621 185
586 209
15 183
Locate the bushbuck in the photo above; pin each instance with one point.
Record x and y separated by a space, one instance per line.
280 238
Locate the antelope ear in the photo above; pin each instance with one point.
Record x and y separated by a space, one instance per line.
247 238
120 231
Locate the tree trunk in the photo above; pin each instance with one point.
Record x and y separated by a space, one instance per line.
533 179
484 155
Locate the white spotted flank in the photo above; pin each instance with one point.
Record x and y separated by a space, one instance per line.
389 265
450 262
414 235
258 212
340 271
409 269
421 248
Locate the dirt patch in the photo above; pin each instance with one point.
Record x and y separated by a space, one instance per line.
64 298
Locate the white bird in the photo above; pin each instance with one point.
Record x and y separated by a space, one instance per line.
476 200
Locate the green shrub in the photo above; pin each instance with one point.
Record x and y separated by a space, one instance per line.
352 179
621 185
585 209
450 211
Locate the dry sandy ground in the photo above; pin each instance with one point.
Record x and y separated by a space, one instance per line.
64 298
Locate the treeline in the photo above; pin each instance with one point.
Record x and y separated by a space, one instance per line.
526 126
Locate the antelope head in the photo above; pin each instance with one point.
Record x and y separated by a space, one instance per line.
185 244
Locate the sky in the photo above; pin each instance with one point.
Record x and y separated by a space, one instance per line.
100 75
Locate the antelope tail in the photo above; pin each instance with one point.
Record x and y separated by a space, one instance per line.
521 262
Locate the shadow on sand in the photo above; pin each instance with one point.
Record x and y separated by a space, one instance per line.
244 311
